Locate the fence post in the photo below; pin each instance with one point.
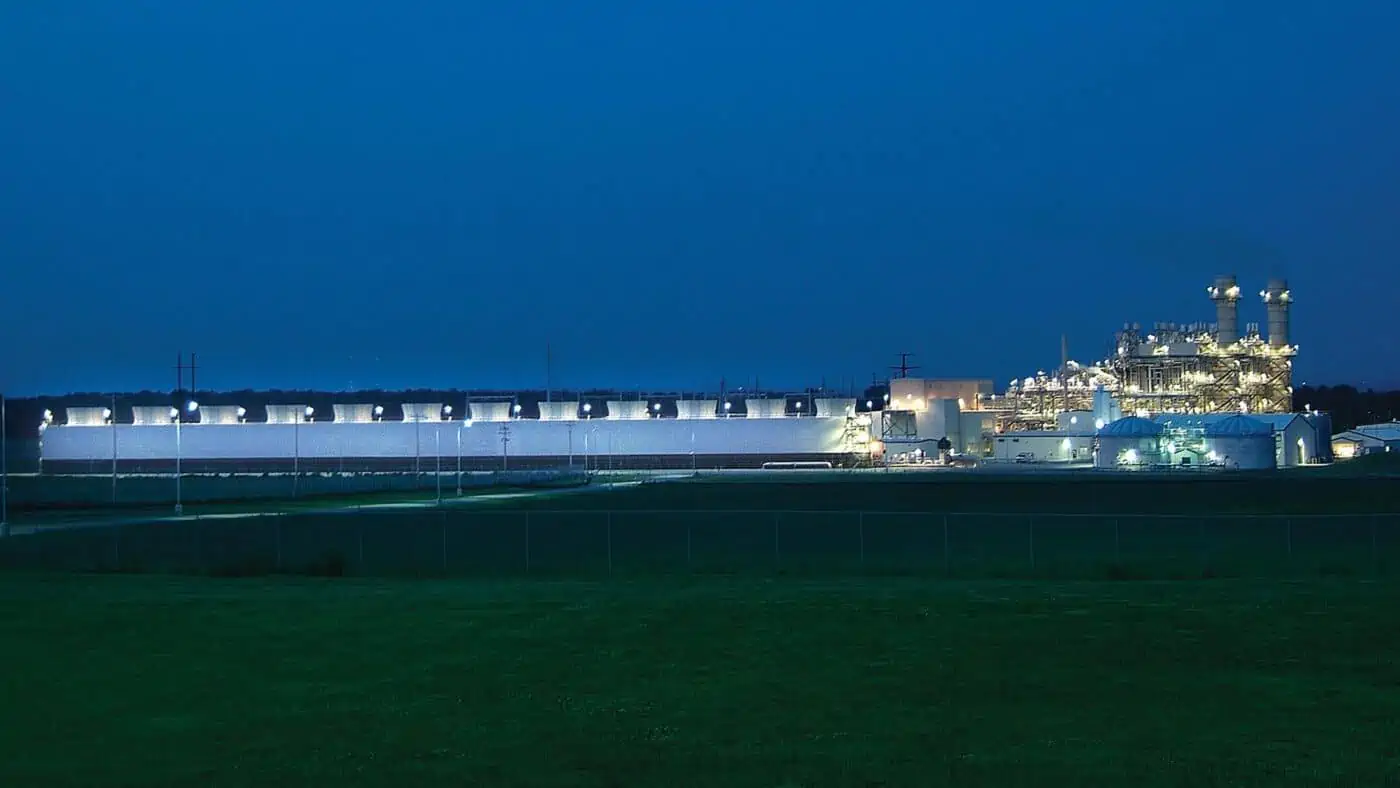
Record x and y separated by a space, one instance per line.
1117 543
947 557
1030 521
360 540
777 552
444 537
527 541
861 536
117 545
277 535
610 568
1375 551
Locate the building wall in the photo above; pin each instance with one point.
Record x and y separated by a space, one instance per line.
1245 452
1045 446
915 393
329 440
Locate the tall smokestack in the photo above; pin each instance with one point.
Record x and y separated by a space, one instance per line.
1226 295
1277 299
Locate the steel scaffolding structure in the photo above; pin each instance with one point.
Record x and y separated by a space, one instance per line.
1188 368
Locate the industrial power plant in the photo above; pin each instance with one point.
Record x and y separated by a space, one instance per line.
1204 395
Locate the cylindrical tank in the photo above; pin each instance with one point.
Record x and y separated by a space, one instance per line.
1130 441
1242 443
1226 295
1277 299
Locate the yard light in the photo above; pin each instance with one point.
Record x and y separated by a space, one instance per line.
447 412
310 412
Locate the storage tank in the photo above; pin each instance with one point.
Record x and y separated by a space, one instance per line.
88 417
628 410
1239 442
422 411
221 414
558 411
1132 441
766 408
286 414
149 414
831 407
696 408
490 411
353 413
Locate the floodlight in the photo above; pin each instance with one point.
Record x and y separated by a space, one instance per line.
447 410
192 406
106 413
242 412
728 405
587 407
310 411
379 410
174 414
869 404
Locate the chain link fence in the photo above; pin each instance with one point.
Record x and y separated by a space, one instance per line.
452 542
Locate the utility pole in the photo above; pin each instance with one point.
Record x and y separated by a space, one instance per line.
114 449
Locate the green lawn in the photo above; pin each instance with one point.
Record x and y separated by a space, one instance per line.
124 680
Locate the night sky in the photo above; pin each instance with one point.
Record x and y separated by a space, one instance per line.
368 194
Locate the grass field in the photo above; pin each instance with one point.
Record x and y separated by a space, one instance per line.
958 526
121 680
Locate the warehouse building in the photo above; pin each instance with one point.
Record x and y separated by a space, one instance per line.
1367 439
493 435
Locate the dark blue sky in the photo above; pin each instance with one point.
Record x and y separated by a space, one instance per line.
362 193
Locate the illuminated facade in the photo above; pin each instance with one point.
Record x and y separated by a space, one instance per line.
1171 368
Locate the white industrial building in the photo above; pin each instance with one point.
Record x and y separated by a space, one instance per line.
1367 439
629 435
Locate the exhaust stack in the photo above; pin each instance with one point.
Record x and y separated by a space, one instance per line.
1277 300
1226 295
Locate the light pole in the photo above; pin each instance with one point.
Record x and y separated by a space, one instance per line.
570 429
437 460
296 447
727 406
192 407
417 449
111 416
460 424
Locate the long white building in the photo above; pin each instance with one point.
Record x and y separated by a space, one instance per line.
500 439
